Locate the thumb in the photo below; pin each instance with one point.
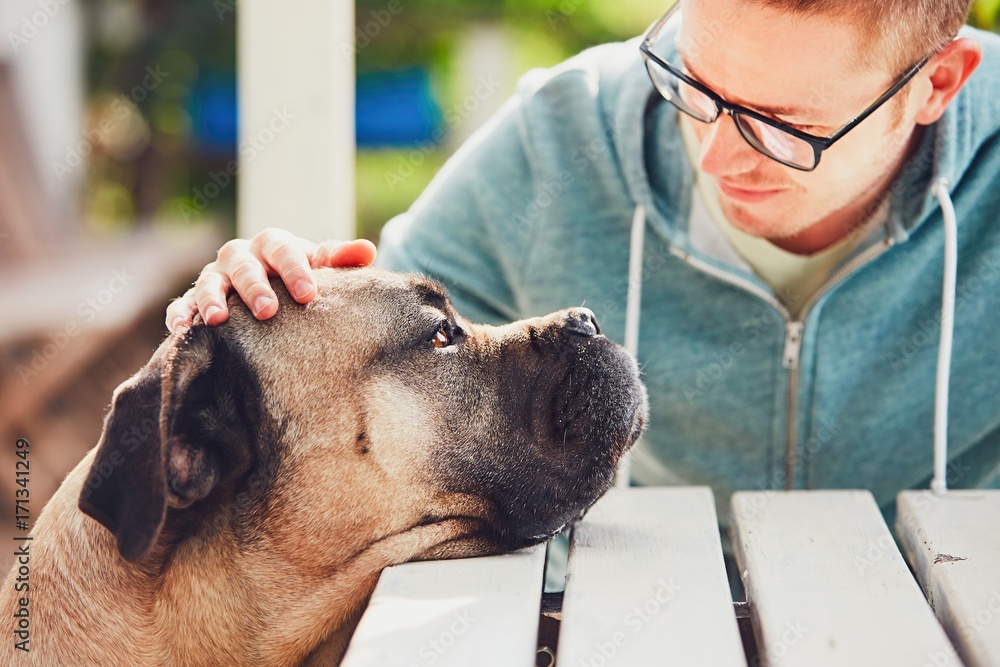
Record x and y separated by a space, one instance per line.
360 252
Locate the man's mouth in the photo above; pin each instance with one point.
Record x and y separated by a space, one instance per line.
748 195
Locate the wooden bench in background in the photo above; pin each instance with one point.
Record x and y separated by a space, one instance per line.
646 585
67 340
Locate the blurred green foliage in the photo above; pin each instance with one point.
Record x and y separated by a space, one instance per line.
429 34
984 14
157 167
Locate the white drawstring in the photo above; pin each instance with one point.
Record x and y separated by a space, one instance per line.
940 190
633 304
938 482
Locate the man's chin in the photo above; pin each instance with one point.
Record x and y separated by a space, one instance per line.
758 224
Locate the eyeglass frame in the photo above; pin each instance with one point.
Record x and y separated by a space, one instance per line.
818 144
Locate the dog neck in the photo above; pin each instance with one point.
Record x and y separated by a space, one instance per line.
191 601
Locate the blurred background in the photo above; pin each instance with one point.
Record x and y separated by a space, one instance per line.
123 147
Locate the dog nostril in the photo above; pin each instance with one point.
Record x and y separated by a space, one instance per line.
582 321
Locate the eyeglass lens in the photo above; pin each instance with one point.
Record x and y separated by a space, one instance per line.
767 139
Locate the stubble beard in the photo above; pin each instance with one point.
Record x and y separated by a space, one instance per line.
848 214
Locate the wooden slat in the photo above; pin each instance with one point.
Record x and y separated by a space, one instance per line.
66 307
826 584
75 290
26 396
470 611
646 583
952 540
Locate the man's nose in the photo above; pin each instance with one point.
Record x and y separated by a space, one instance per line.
724 151
582 322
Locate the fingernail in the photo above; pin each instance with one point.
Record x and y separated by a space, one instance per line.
261 303
302 288
210 311
174 323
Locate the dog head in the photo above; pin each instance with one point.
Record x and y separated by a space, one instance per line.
374 416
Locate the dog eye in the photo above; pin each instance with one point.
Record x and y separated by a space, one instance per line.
441 338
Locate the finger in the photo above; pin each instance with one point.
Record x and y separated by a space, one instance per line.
289 260
360 252
181 311
251 283
231 252
244 270
210 295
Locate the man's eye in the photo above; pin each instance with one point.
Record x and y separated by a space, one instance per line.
441 338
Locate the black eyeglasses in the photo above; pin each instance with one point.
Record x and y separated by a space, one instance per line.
776 140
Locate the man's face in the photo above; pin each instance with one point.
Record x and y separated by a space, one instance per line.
761 58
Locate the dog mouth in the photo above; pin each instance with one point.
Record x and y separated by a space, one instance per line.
597 412
567 477
566 415
471 536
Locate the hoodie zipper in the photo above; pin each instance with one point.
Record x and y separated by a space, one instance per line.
794 328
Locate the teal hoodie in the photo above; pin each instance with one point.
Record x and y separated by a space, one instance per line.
534 214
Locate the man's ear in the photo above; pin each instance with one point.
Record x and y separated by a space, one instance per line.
177 429
948 71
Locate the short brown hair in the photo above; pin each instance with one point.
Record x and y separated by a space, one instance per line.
901 32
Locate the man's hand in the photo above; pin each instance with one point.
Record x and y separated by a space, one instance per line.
247 265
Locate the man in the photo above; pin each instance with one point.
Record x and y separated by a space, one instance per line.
791 284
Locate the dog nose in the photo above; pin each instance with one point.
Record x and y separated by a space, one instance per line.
581 321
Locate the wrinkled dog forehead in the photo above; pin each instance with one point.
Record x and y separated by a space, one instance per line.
384 295
356 311
357 314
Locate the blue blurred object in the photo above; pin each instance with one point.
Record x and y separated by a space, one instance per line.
396 109
214 113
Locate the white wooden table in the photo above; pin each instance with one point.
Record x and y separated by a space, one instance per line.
646 585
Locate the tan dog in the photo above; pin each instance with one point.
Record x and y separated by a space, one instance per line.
253 479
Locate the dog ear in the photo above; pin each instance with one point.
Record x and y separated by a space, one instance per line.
177 429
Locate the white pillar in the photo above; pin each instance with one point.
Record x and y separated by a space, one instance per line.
43 44
296 117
